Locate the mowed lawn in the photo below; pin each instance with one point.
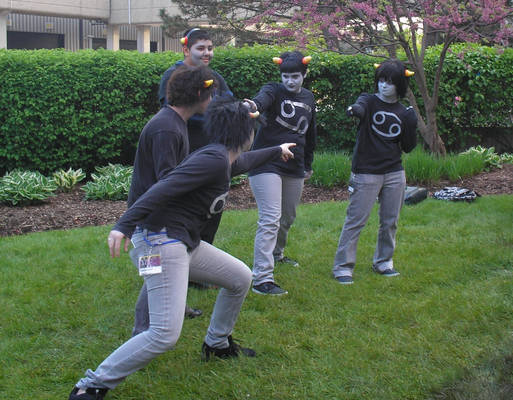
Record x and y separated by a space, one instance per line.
65 305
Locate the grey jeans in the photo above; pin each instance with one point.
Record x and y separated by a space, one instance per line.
389 189
167 292
277 197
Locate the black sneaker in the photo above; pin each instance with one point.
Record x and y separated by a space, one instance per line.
192 312
90 394
233 350
286 260
389 272
345 280
269 288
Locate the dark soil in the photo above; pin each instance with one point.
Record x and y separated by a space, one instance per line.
70 210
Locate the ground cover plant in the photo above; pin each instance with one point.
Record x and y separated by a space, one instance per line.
446 319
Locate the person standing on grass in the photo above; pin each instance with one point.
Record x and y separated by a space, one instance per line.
172 214
163 144
386 129
198 51
289 110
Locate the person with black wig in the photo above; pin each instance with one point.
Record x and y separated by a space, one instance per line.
172 213
386 129
289 111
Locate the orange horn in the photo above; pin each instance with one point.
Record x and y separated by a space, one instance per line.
408 73
208 83
307 59
255 114
277 60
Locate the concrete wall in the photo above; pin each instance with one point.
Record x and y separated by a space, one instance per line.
145 12
142 16
95 9
116 12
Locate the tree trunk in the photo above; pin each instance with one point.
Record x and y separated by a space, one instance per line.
428 127
429 131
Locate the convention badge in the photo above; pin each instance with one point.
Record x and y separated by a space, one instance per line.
150 265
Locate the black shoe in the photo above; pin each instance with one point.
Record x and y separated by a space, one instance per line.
345 280
286 261
90 394
192 312
233 350
389 272
269 288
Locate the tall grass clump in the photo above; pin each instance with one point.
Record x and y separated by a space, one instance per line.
331 169
422 167
461 165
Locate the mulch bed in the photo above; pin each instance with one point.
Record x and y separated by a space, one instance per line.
70 210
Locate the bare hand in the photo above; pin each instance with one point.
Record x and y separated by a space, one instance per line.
250 104
114 241
308 174
286 154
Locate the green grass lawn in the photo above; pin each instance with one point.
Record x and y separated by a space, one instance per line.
442 329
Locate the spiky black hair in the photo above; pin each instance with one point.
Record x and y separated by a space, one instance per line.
292 61
228 122
394 70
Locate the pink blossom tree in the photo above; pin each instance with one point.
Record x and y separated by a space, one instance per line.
376 27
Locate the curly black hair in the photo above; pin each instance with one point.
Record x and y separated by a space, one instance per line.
187 85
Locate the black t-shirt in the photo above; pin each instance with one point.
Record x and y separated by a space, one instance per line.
163 144
290 118
197 138
187 197
384 131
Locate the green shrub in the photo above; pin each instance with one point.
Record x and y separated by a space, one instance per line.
25 187
66 180
110 183
490 158
331 169
62 109
239 179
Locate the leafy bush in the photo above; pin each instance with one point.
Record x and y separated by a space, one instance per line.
237 180
490 158
62 109
25 187
110 183
66 180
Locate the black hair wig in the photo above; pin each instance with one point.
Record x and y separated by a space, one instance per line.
228 122
292 61
394 70
187 82
195 34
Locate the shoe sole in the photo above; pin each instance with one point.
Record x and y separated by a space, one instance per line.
387 275
269 294
345 283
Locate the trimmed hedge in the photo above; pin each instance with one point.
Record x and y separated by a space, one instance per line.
62 109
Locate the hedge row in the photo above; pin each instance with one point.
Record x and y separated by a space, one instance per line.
61 109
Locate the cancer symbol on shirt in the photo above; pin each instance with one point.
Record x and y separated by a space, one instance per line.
386 124
288 111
